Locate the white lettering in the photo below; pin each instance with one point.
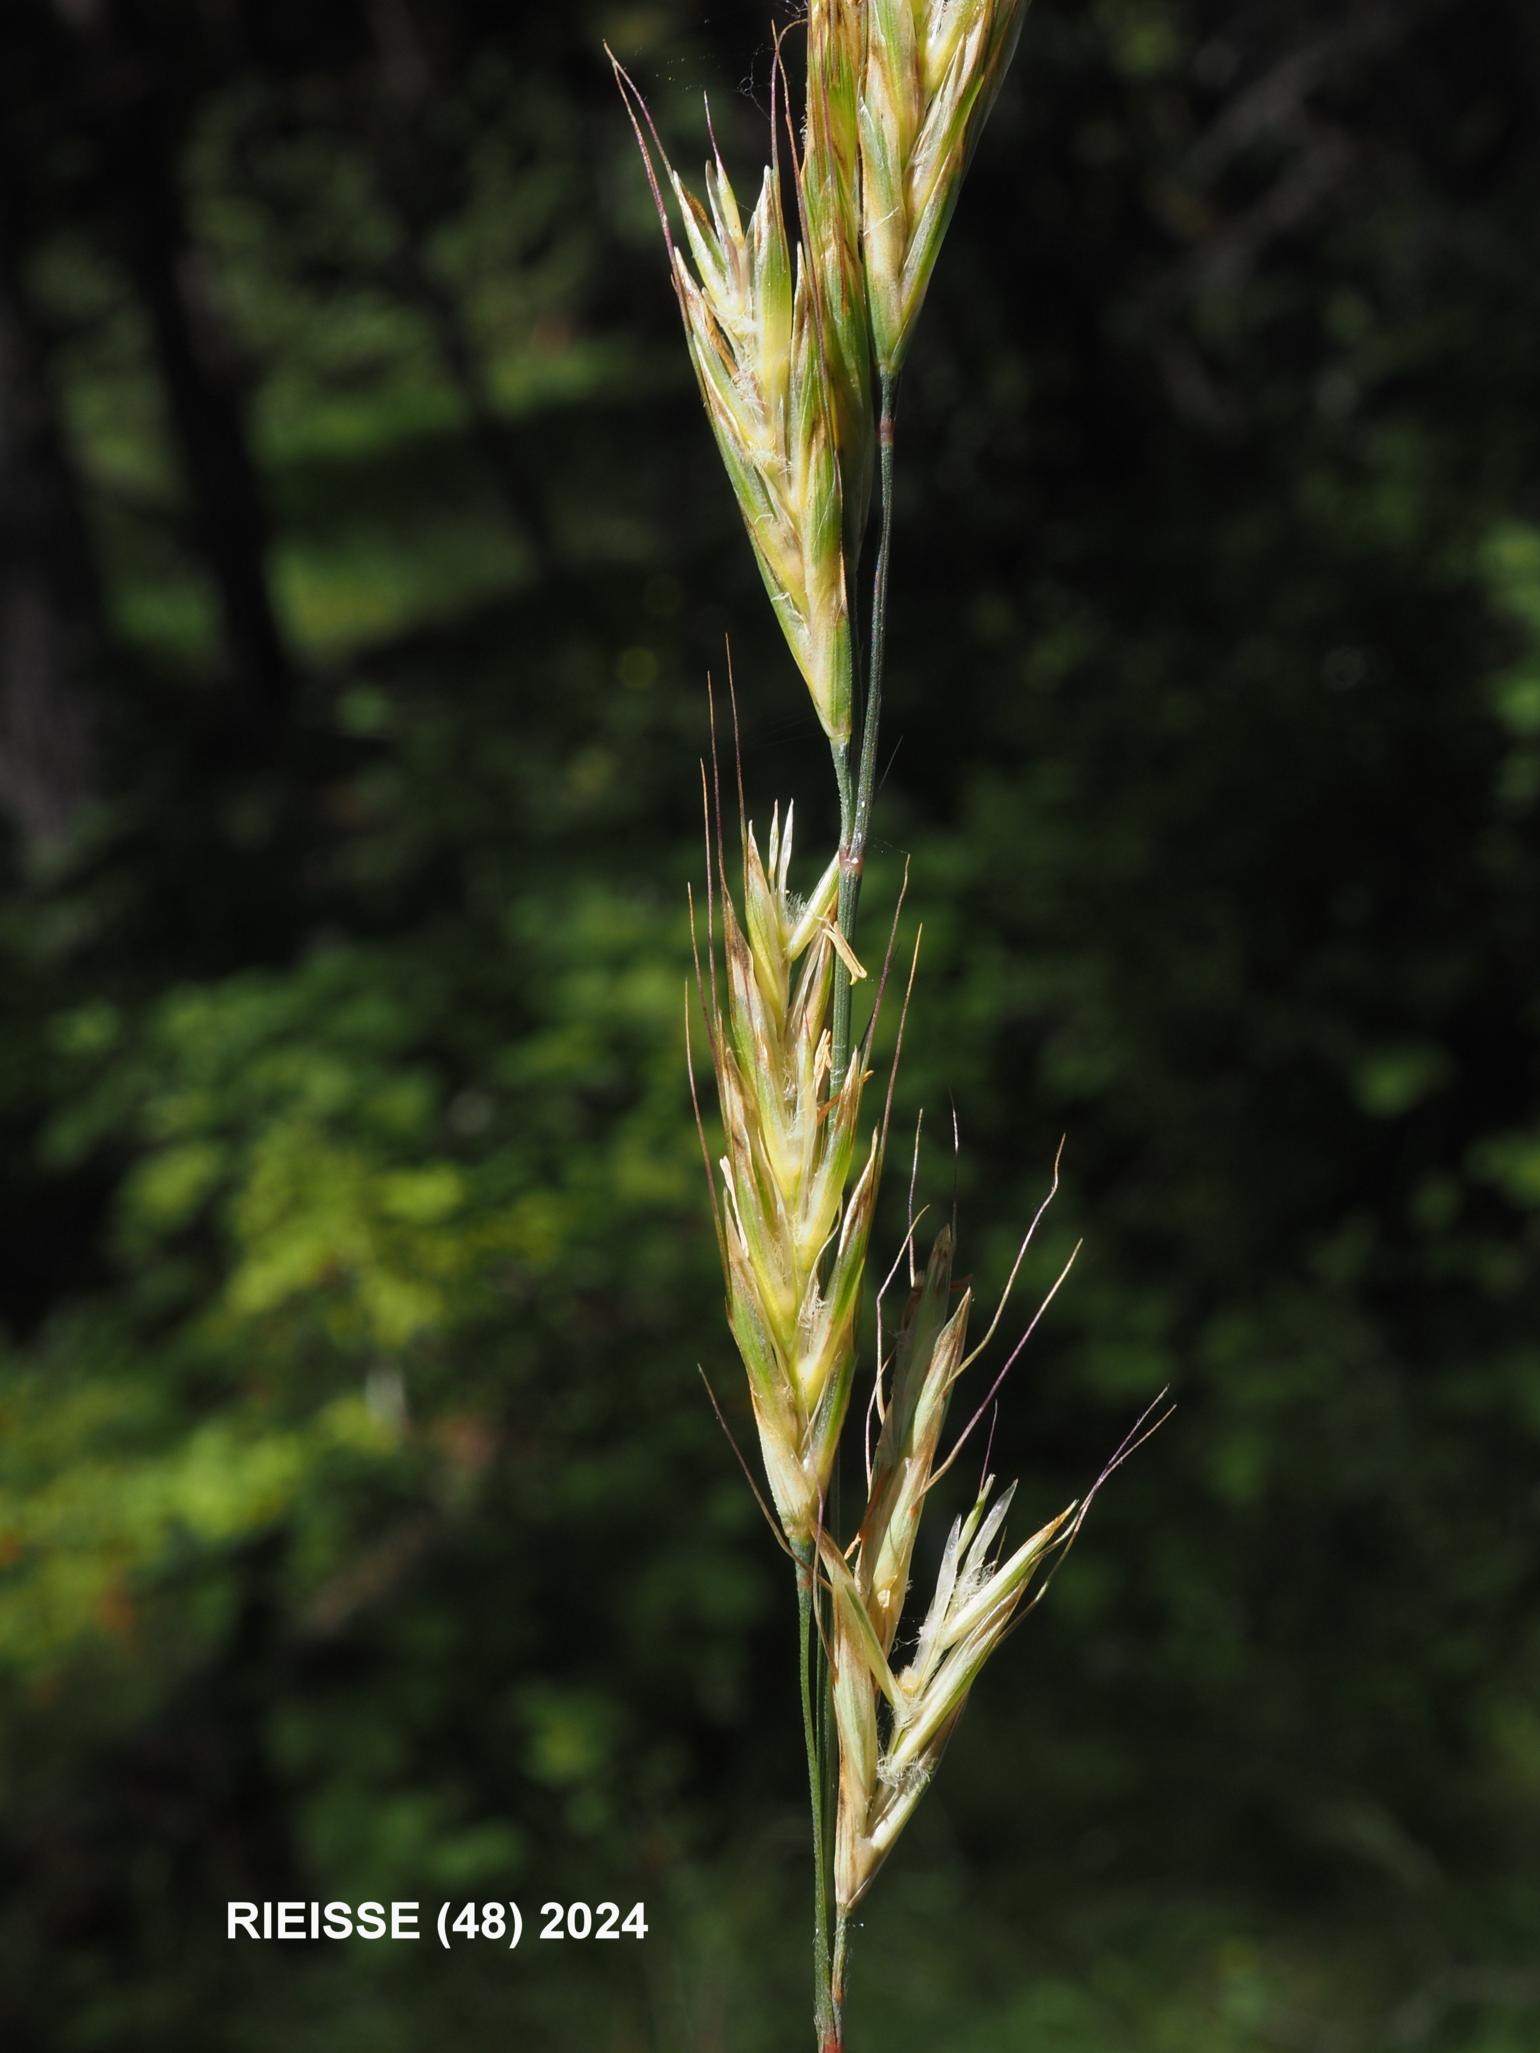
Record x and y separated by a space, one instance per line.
335 1920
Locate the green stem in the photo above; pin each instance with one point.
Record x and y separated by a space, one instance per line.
855 829
841 753
856 818
823 2017
841 1005
837 1978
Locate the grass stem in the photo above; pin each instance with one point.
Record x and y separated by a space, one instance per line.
840 1021
856 816
823 2016
837 1978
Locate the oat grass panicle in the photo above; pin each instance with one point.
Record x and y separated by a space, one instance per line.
798 316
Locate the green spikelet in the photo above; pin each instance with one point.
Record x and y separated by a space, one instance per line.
931 72
830 181
796 1201
754 326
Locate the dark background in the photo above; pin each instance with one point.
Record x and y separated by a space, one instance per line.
364 1530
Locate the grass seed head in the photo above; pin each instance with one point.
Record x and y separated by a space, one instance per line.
932 70
755 326
893 1728
794 1236
928 1360
830 189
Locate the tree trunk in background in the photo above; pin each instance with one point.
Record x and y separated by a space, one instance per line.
51 632
401 105
139 131
207 417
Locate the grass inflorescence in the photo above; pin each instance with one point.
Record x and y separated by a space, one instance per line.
798 314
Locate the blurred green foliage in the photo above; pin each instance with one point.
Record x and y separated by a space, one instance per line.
364 1529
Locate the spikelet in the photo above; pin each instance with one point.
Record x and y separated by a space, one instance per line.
977 1597
793 1239
893 1726
927 1362
752 320
932 70
829 180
